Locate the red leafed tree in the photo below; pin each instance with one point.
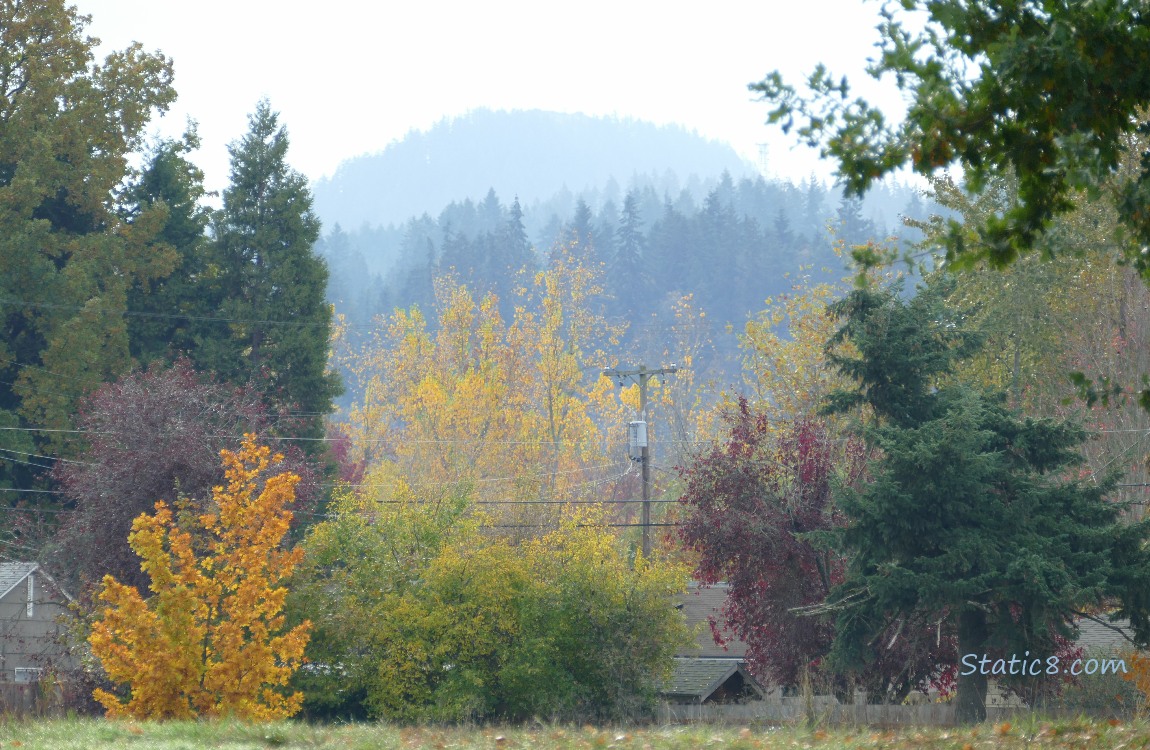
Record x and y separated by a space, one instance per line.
760 515
152 435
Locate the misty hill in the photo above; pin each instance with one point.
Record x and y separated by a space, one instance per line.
529 154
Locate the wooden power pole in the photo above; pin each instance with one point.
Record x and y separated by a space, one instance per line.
641 376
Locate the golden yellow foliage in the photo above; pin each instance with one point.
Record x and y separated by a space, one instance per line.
208 641
505 410
784 361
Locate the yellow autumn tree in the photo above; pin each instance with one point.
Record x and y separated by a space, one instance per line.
506 411
208 641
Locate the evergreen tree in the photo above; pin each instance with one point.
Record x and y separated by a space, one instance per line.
514 249
270 282
721 277
418 283
626 275
349 277
581 232
156 329
606 225
853 227
458 256
670 248
516 233
489 213
969 519
784 236
510 253
815 213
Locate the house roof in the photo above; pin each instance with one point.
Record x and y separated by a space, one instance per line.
1096 637
700 603
12 574
697 679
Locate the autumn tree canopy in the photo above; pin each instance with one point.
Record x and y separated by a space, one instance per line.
151 435
210 640
511 409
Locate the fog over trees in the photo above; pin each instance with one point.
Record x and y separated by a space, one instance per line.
663 212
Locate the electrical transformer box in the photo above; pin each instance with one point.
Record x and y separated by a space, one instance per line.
636 439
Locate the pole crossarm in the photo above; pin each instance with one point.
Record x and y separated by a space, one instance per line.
641 375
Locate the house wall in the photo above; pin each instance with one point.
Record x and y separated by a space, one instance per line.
32 641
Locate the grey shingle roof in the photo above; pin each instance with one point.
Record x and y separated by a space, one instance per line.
13 573
697 679
1095 637
700 603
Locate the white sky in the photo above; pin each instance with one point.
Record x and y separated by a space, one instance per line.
350 77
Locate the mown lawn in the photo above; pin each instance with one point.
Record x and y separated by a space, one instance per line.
94 733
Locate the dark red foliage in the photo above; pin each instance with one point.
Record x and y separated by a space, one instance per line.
749 503
754 507
152 435
348 471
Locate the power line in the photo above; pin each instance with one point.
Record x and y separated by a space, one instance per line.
50 458
25 463
285 438
165 316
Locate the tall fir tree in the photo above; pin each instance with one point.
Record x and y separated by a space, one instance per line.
971 518
853 227
167 310
270 283
582 234
626 276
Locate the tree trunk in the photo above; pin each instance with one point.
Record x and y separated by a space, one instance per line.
970 703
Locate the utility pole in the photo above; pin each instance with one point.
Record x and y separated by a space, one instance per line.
641 376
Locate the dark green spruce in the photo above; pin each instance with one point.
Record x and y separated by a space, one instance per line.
974 516
167 311
269 284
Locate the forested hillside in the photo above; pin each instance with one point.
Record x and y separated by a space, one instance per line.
725 244
532 154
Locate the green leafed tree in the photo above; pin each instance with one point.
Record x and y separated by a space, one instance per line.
68 125
268 283
1050 93
421 615
974 515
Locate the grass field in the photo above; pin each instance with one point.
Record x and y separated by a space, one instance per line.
94 733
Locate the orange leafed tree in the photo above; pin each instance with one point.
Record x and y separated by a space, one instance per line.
1139 674
208 641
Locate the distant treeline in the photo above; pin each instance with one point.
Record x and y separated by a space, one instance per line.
736 244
